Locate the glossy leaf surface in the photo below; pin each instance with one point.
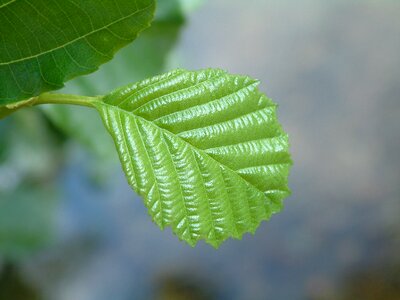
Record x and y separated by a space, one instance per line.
43 43
204 149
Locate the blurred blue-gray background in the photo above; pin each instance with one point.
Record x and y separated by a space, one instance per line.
71 227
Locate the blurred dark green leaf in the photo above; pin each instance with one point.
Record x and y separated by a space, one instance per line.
29 158
26 221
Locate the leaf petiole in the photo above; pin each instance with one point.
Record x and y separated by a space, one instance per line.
52 98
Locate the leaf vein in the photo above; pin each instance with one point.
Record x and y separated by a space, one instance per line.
74 40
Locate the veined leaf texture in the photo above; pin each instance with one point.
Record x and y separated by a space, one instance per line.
44 43
203 148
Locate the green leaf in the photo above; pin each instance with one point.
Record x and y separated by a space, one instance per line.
204 149
44 43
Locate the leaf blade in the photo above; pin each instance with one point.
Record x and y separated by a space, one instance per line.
168 134
46 42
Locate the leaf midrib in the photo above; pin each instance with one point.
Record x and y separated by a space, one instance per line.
8 3
176 136
74 40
